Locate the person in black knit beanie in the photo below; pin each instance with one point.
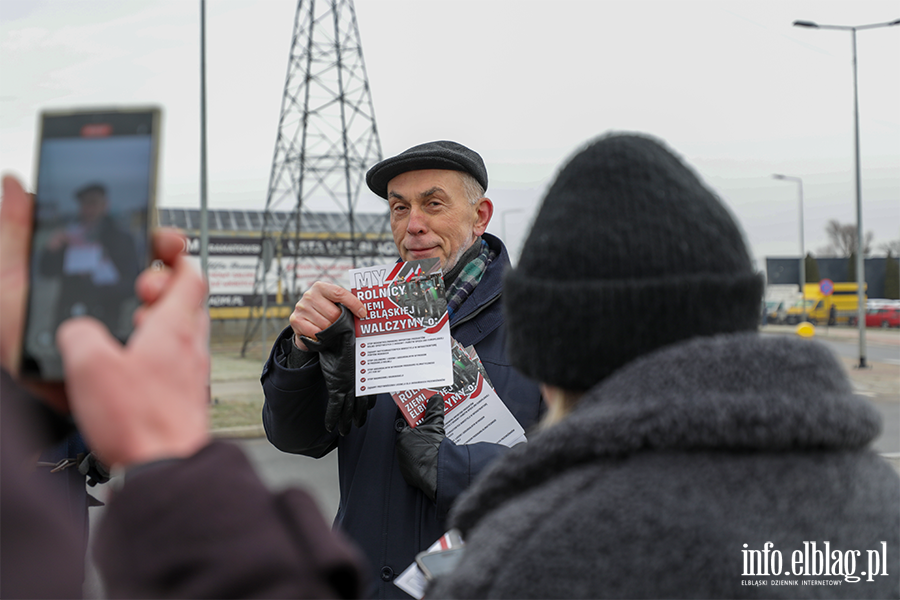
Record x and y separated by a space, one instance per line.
629 252
684 455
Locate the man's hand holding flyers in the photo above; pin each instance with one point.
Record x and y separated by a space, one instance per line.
319 308
335 346
322 322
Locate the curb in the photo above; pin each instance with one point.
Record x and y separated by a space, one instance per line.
877 335
247 431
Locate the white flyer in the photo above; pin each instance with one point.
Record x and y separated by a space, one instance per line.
82 259
473 412
404 341
483 418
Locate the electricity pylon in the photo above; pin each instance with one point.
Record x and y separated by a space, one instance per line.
327 139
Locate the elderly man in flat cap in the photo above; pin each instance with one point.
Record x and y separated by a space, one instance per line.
397 483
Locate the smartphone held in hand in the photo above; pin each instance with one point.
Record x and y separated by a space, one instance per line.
94 209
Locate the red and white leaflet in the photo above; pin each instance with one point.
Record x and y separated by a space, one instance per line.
473 412
482 418
404 342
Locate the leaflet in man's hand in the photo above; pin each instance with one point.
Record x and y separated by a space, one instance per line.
473 412
404 341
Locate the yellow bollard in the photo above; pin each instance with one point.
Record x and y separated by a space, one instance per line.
806 329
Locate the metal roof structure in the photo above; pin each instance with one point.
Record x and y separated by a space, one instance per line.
250 222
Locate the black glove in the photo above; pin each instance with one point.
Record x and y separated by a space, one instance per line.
336 346
417 448
94 471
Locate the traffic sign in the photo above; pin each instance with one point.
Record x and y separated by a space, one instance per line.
826 286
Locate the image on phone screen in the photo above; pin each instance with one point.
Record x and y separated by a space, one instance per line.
93 211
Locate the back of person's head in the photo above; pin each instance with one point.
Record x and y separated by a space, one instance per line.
629 252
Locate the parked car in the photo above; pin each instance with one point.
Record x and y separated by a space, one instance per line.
775 311
796 312
883 317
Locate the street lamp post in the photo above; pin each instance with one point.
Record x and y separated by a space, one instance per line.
204 215
860 262
802 245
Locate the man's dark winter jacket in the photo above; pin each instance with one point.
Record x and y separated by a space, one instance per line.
389 519
672 474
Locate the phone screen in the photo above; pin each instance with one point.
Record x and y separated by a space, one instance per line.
94 206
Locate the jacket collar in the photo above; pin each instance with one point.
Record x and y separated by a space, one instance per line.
489 288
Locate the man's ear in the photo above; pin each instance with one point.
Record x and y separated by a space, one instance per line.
484 210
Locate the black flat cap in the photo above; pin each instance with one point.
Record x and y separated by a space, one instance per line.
432 155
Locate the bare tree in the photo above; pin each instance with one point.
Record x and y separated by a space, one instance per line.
842 240
891 248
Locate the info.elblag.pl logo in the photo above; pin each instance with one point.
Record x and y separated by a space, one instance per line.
813 560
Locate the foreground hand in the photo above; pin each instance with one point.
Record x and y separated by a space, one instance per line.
318 309
15 241
417 448
147 400
153 282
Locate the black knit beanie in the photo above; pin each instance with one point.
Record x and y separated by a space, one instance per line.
628 253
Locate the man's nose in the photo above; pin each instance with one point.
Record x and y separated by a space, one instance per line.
418 222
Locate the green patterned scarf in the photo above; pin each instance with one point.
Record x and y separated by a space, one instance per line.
464 284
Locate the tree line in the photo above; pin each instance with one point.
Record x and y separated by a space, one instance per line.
842 242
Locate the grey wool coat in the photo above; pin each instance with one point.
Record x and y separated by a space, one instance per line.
707 469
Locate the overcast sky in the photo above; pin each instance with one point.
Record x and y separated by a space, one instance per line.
730 85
